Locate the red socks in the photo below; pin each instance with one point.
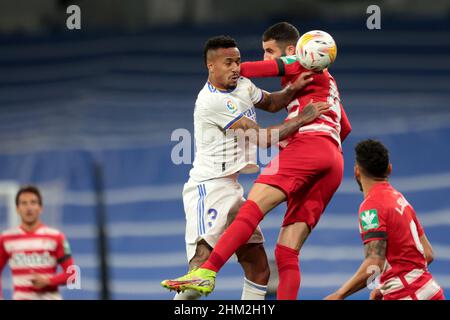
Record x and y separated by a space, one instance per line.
288 272
237 234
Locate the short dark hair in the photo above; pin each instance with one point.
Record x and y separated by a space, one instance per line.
218 42
29 189
283 33
373 157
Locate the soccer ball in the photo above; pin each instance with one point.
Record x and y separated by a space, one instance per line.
316 50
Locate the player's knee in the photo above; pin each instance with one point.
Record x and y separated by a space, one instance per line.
285 255
202 253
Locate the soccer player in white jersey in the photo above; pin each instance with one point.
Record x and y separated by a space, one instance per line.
34 252
212 196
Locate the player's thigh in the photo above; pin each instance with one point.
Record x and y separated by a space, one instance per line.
211 209
266 197
310 202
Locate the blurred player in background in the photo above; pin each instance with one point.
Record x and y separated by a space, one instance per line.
310 169
34 251
394 240
213 195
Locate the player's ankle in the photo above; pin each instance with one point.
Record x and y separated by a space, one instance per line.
207 272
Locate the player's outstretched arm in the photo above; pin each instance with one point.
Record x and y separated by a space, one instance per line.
270 68
375 257
275 101
276 133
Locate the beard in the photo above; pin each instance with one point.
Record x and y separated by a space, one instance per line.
358 181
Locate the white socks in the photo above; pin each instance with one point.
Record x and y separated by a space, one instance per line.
253 291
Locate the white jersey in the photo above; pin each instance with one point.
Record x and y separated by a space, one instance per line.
219 153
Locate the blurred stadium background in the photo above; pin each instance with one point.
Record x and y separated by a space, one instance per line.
87 116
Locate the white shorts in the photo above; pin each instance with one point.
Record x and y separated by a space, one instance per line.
210 207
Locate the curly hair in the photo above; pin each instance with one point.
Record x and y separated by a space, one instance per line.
373 157
218 42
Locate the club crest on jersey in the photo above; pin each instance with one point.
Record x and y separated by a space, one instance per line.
231 106
369 219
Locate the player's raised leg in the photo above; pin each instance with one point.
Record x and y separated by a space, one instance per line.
202 252
261 199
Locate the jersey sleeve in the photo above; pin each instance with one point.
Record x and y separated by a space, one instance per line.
3 255
261 69
256 94
64 257
419 227
284 66
3 261
346 127
372 222
63 251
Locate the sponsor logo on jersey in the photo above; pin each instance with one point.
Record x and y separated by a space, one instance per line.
32 260
369 219
231 106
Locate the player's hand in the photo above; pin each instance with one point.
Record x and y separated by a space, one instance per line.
39 281
334 296
312 111
376 294
302 81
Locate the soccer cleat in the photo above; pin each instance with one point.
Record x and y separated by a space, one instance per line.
199 279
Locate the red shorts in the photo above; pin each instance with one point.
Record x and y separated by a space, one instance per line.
309 171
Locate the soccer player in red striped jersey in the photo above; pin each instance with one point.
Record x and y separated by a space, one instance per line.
279 43
394 240
34 252
306 173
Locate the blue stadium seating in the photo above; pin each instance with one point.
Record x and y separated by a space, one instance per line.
70 102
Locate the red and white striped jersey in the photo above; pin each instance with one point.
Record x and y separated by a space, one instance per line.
385 214
333 123
322 88
39 251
